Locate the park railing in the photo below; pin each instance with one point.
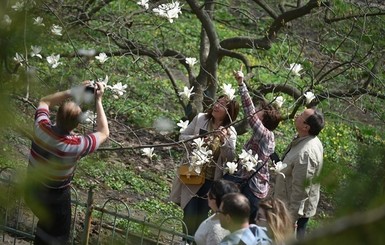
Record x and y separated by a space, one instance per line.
111 222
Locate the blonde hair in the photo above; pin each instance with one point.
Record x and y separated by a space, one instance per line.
278 218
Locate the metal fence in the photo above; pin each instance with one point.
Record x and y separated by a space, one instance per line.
112 222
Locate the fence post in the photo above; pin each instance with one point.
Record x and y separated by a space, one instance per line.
88 216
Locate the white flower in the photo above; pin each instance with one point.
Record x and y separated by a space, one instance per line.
18 6
148 152
87 117
278 101
198 143
309 97
249 166
36 51
295 68
183 125
6 21
119 88
168 10
245 155
232 167
53 60
19 58
187 92
278 167
56 30
105 81
38 21
229 91
191 61
102 57
200 156
143 3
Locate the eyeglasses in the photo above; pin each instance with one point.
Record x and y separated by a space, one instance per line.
301 117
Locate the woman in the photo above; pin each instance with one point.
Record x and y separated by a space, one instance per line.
192 198
210 231
273 214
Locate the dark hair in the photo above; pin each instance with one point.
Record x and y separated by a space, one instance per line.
237 206
316 122
67 117
271 116
221 188
232 110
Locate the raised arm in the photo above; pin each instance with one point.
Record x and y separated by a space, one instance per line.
102 129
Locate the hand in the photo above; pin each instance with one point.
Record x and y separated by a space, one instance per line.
238 75
222 134
99 90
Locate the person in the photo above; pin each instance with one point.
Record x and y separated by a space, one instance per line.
210 231
192 198
262 120
234 216
304 158
54 154
274 215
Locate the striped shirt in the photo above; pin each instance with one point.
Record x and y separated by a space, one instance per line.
261 142
54 154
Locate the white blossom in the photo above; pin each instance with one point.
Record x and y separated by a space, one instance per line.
35 51
87 117
19 58
143 3
168 10
278 101
295 68
309 97
278 167
148 152
229 91
249 165
18 6
248 160
6 21
53 60
102 57
56 30
187 92
183 125
119 88
231 167
191 61
38 21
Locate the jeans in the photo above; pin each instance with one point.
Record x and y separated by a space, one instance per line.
301 227
197 209
53 209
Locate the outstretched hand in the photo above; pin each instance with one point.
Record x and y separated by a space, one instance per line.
238 75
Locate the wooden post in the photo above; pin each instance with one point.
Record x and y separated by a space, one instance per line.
88 216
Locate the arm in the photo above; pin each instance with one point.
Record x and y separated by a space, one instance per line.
189 132
102 130
55 99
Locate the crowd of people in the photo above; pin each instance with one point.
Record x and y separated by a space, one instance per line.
243 208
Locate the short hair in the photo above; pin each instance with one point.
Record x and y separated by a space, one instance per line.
237 206
67 117
232 107
271 115
220 188
316 122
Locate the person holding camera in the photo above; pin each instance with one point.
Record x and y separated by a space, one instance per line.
54 154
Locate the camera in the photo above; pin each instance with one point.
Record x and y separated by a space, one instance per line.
90 89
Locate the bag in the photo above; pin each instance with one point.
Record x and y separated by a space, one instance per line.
190 177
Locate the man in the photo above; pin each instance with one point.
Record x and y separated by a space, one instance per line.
262 120
54 153
234 216
304 159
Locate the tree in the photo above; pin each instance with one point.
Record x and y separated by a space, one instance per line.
336 42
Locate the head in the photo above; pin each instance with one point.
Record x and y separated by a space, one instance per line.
67 117
309 122
269 115
218 190
234 211
224 109
273 214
